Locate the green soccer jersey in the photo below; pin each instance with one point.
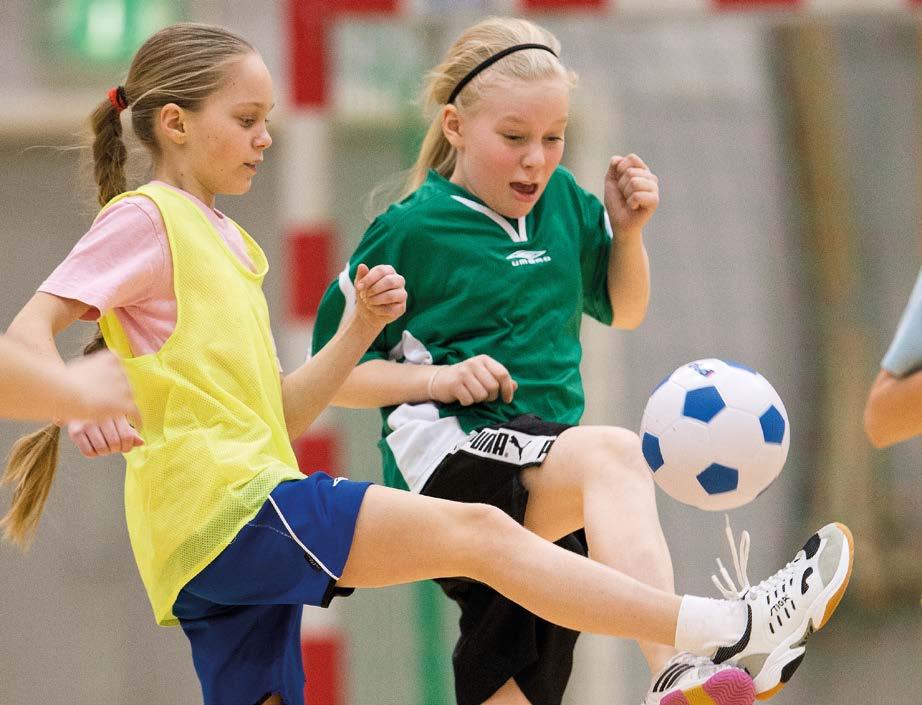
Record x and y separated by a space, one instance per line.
480 283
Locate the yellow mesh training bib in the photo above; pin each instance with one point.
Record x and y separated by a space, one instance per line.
215 442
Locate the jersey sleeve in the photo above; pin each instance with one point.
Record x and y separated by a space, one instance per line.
378 246
117 262
905 353
595 248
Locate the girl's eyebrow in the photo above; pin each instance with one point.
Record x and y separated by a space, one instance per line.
517 119
255 104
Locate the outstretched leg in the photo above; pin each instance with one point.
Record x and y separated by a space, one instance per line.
402 537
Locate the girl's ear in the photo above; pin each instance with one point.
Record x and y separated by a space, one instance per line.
172 123
452 126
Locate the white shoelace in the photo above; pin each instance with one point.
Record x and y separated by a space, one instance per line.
740 564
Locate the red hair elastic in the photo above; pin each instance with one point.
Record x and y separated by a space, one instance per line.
118 98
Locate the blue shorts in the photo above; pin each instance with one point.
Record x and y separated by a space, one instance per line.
242 613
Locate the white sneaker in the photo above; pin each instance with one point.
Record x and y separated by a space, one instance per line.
785 609
687 679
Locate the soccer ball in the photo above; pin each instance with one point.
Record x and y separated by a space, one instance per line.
715 434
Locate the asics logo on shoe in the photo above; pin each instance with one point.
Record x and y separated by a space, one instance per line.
520 257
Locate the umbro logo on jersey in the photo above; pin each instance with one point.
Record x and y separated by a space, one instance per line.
520 257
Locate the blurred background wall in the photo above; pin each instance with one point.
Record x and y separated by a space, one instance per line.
786 139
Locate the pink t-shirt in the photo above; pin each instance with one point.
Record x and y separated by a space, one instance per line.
123 264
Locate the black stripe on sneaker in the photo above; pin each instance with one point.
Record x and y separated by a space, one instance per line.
790 667
727 652
662 676
803 580
661 682
675 676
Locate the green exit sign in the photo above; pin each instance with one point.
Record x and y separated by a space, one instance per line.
100 32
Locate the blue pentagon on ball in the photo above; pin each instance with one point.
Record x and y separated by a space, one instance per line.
651 451
703 404
772 425
717 478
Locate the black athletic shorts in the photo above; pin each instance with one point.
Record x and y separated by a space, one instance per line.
499 639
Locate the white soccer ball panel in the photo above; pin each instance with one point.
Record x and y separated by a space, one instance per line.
732 434
770 460
686 444
745 391
663 408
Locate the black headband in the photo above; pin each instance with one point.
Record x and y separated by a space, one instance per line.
489 62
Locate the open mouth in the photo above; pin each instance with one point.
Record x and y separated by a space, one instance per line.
523 188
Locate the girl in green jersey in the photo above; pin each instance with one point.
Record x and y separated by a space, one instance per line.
479 380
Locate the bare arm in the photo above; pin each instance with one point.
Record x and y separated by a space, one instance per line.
40 320
36 384
631 197
33 389
893 412
629 280
379 383
307 391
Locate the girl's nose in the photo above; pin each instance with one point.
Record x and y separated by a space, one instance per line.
534 156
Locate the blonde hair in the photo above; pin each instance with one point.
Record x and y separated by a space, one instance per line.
182 64
473 47
30 469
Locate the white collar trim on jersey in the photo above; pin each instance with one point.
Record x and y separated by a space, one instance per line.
520 236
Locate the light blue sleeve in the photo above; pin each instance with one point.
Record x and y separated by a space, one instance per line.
905 353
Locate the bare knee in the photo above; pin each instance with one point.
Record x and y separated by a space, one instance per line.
619 442
487 520
274 699
480 533
617 455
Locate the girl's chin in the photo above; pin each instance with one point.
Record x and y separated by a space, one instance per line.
515 210
239 189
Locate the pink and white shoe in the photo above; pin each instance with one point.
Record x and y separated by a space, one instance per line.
687 679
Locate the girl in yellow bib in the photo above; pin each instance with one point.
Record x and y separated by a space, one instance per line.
229 537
